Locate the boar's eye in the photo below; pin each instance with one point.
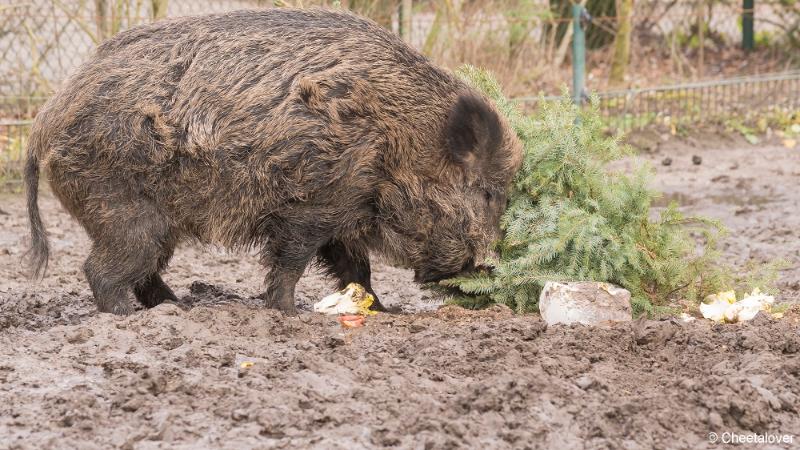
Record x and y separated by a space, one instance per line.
488 196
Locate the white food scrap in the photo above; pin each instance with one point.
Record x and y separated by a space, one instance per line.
723 306
353 299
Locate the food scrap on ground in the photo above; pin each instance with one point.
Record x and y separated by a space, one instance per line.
723 306
353 299
351 321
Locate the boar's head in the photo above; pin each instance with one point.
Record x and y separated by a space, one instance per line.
446 216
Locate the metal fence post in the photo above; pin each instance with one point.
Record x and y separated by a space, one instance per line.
159 9
405 20
701 38
748 14
578 54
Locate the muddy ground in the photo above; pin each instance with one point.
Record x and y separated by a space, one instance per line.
171 377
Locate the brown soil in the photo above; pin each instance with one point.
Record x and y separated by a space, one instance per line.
751 189
171 377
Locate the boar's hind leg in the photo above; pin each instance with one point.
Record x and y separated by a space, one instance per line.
128 255
348 266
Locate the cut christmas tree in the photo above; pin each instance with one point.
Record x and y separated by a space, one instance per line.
571 218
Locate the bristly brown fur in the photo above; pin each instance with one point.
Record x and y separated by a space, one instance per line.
303 133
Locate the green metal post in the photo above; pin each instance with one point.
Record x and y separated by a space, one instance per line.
578 55
748 15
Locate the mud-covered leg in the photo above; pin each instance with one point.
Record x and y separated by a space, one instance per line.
112 269
128 252
287 260
293 243
109 285
280 288
348 266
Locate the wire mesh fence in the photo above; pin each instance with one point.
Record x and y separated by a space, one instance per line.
702 102
676 47
526 43
13 136
745 99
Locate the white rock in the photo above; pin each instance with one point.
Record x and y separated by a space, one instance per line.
586 302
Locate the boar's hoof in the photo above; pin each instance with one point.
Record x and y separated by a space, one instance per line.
118 308
281 303
377 305
289 310
280 290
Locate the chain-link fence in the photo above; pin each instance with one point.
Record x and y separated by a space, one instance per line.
685 60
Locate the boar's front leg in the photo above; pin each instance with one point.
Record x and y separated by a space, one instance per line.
287 257
348 265
280 288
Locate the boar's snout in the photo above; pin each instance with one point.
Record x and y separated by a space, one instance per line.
486 265
433 276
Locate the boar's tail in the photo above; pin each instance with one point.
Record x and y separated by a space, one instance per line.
40 249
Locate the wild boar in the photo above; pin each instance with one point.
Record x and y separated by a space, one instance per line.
305 134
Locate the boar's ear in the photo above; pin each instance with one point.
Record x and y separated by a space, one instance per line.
473 130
